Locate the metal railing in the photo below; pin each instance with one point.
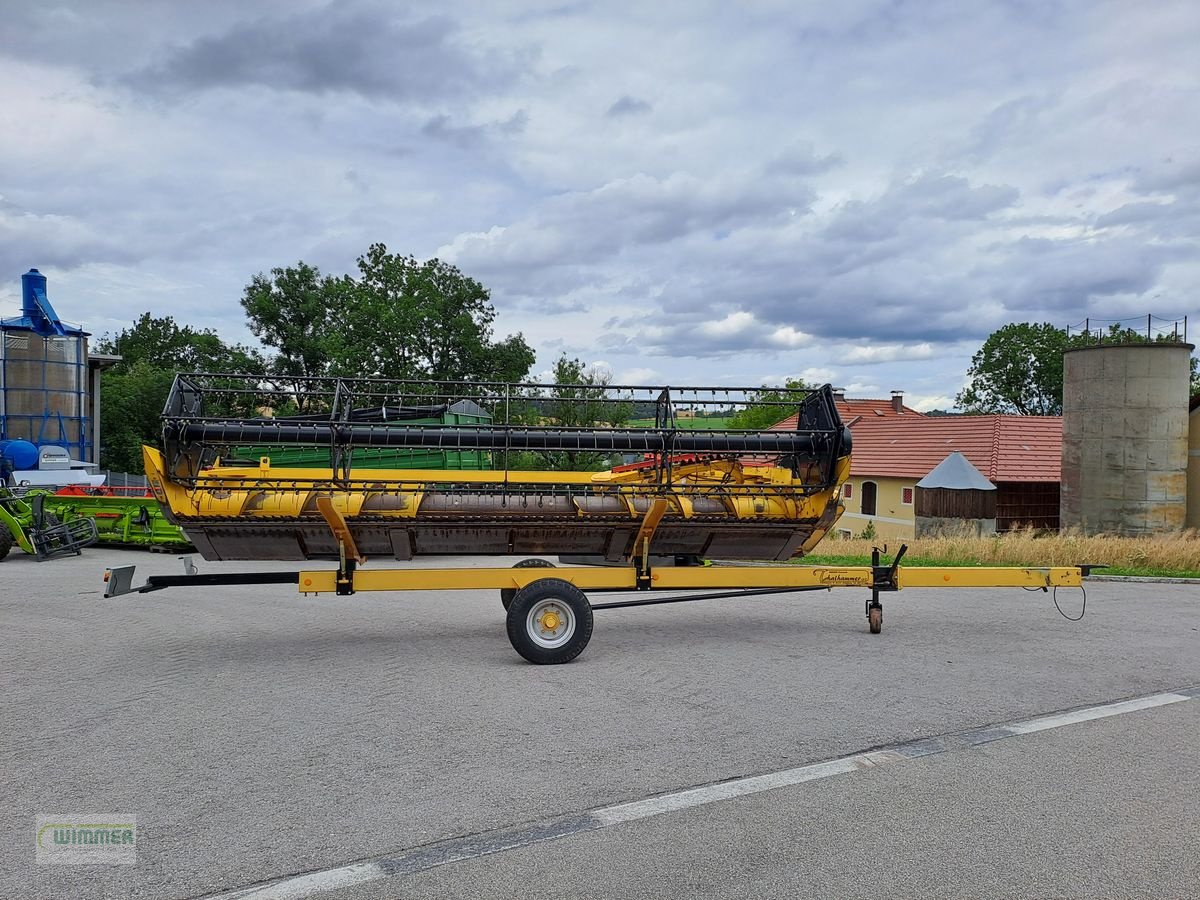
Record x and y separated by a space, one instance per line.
1137 330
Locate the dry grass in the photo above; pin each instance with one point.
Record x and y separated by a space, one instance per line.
1167 554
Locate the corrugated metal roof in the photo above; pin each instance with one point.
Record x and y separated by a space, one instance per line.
1003 448
956 473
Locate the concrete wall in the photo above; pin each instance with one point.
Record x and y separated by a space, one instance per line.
1193 472
893 517
1125 438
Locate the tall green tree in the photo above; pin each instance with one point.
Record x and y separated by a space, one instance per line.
399 318
135 390
412 319
294 310
162 343
1019 369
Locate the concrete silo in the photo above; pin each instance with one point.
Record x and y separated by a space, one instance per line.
1125 438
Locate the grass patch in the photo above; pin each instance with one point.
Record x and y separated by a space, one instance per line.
1173 555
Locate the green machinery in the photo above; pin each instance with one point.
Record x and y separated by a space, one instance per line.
120 521
25 522
46 525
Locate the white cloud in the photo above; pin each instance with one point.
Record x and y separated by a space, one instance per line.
789 337
734 323
887 353
640 375
927 402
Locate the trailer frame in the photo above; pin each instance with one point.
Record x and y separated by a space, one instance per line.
551 600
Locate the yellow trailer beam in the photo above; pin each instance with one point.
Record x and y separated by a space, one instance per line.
320 581
995 576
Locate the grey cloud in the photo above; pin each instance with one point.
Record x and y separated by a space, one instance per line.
53 241
1134 214
590 226
1065 275
628 106
441 128
904 267
1007 122
804 161
1169 176
364 50
948 198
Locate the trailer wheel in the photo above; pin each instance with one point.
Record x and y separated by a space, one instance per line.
549 621
507 594
875 619
6 541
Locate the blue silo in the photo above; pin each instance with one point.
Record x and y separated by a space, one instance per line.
44 375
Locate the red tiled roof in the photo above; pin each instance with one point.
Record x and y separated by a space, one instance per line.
850 408
1003 448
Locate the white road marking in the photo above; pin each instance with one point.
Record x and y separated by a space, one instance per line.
1094 712
299 886
728 790
418 859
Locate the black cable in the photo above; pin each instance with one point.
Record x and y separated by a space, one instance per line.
1082 610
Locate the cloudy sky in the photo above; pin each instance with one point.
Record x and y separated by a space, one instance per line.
689 192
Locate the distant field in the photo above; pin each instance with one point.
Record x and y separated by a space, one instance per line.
1175 555
715 423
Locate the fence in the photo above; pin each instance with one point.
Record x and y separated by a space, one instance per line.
1137 330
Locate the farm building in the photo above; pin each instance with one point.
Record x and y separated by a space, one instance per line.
1020 455
954 497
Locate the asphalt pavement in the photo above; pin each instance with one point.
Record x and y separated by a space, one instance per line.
257 734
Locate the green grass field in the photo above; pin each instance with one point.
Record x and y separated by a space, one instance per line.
714 424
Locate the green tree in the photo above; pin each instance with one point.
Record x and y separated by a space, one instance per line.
294 311
768 407
400 318
1117 334
579 397
410 319
1019 369
135 390
163 343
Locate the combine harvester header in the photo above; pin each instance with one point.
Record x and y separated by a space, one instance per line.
343 470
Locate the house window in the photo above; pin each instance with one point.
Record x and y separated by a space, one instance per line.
847 491
906 496
869 491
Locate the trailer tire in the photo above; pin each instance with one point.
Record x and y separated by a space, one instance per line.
875 619
549 621
6 541
507 594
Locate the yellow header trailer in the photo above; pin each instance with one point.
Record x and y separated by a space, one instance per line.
549 615
318 469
